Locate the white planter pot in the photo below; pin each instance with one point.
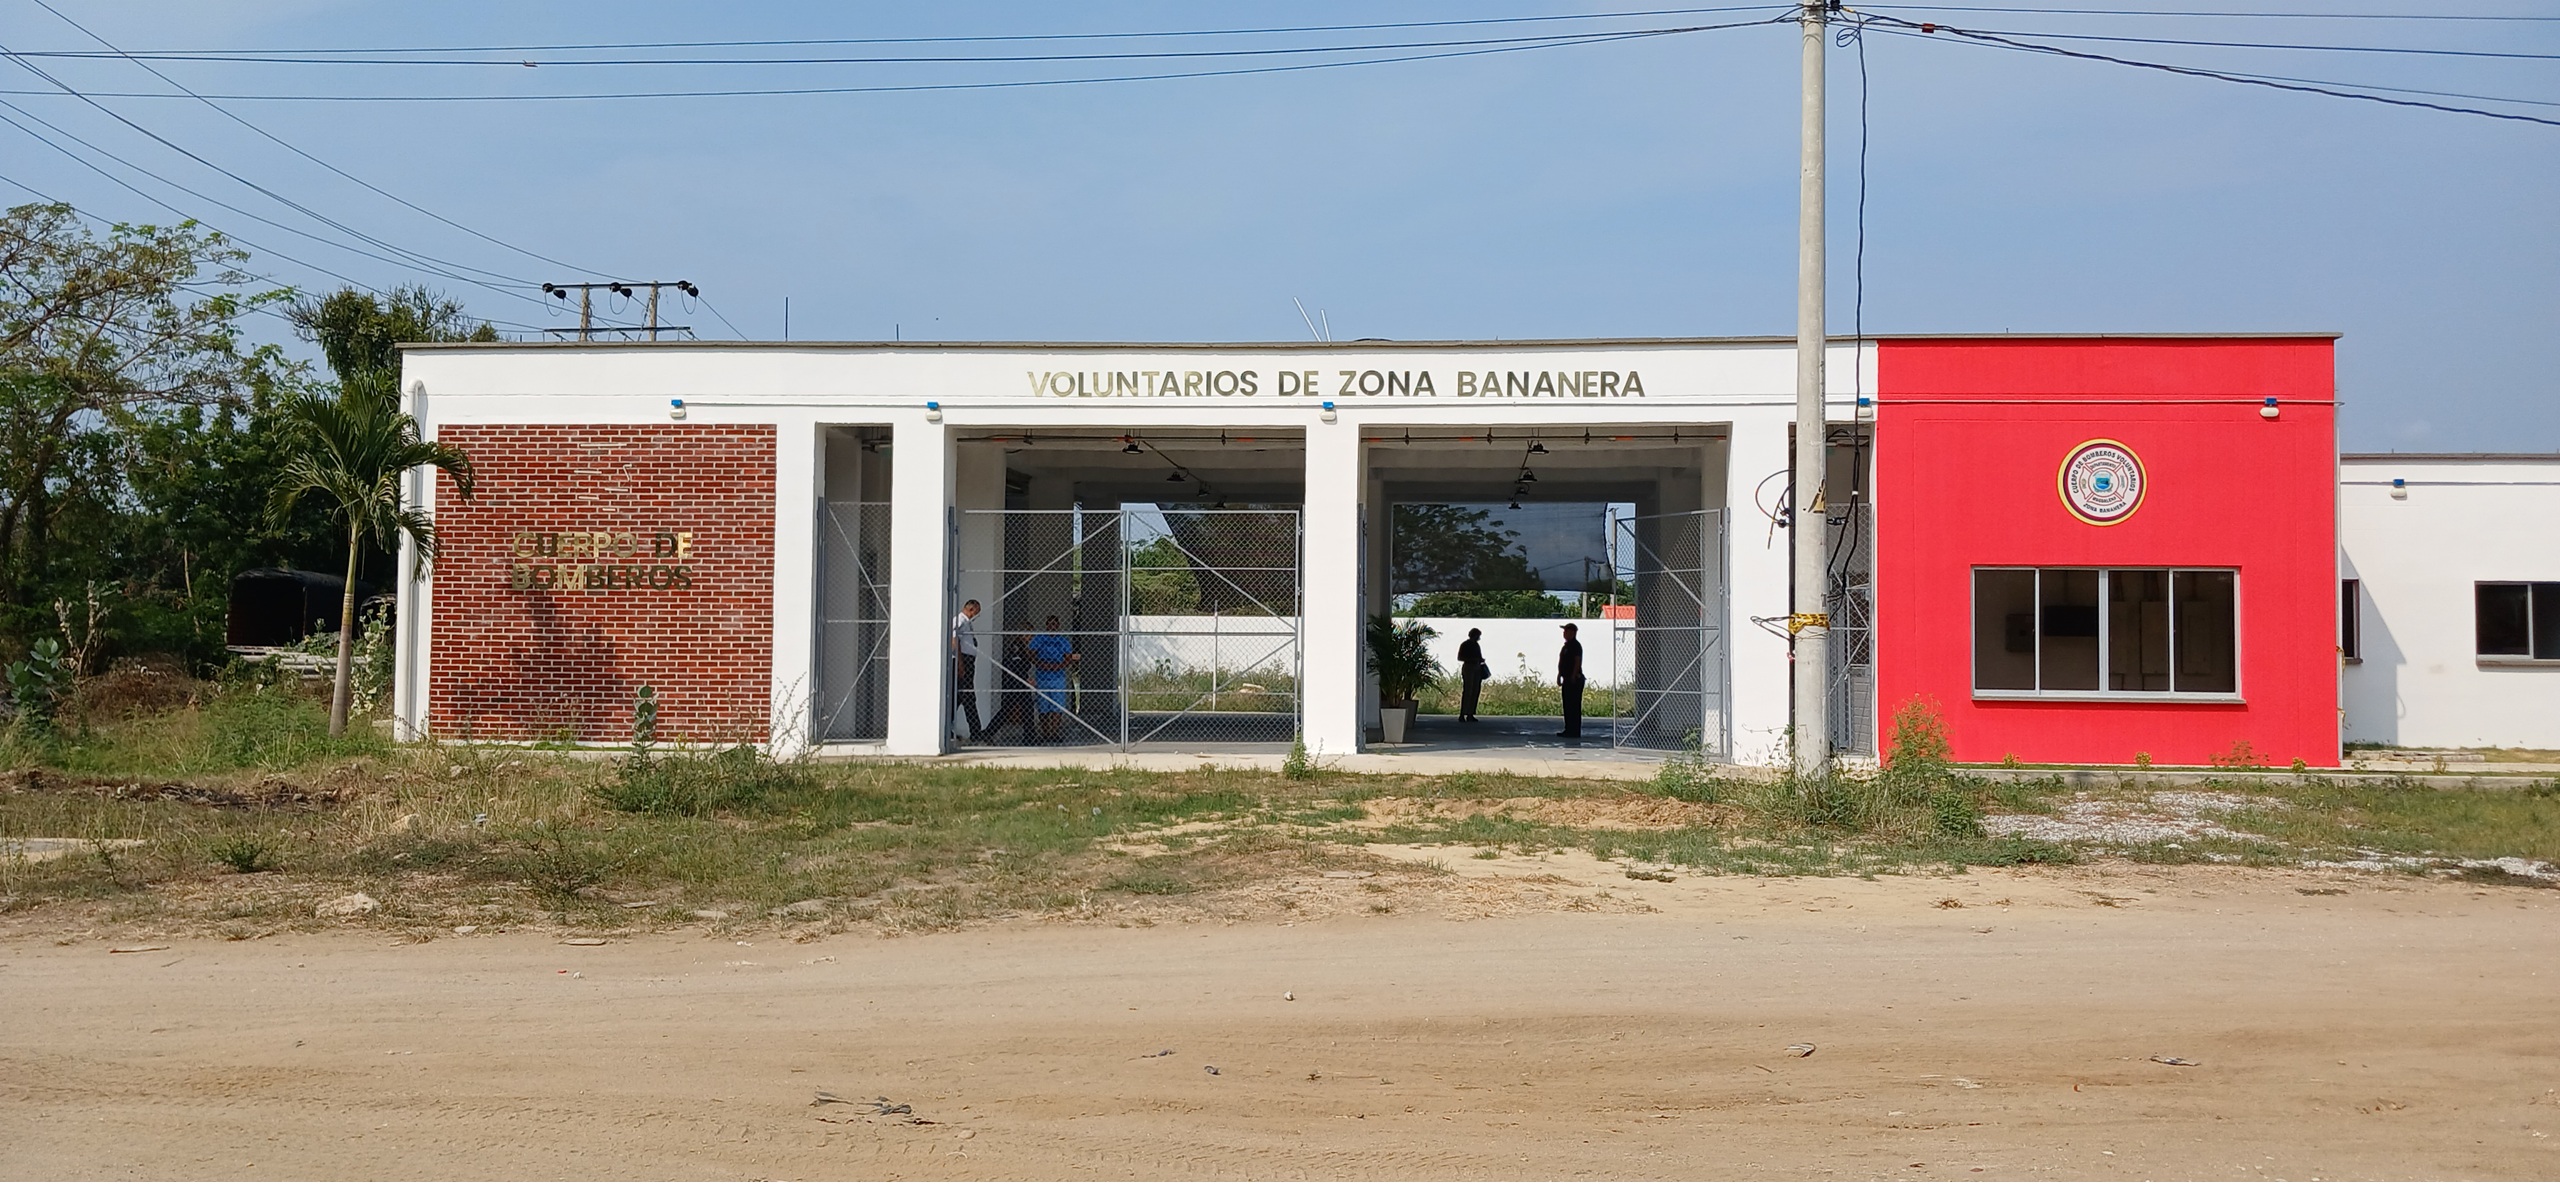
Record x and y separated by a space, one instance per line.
1394 722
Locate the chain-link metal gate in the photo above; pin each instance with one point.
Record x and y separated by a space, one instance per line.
1669 659
1850 599
1137 626
852 698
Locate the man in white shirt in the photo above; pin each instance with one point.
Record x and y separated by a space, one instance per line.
964 660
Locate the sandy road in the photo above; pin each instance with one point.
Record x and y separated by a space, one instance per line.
2383 1028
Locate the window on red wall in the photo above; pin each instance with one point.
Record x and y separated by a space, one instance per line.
2105 633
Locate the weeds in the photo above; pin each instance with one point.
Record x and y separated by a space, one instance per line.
246 854
505 836
1689 775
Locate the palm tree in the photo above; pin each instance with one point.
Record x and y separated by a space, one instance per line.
356 446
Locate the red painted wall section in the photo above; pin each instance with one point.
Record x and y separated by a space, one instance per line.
596 559
1971 436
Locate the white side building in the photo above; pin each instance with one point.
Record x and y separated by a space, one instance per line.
2451 599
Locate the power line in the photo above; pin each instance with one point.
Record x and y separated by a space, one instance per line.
297 151
900 59
227 236
423 261
977 38
2184 13
1900 27
724 318
1591 39
2266 45
195 193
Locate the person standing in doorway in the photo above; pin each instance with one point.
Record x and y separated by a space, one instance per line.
1471 674
1051 653
964 668
1569 681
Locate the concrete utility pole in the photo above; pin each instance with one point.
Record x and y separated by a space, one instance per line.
1809 627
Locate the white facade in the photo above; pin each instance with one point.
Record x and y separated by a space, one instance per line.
958 417
2418 534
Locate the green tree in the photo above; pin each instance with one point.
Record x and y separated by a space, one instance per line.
116 347
1161 581
359 332
357 446
1453 547
1489 604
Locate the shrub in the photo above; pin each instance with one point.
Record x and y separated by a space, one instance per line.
1299 766
1688 775
700 783
2242 755
245 854
1955 812
38 684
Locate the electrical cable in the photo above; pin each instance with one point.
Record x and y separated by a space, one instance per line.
197 286
297 150
1970 37
2183 13
1004 84
1844 554
979 38
2510 55
902 60
189 190
428 263
156 201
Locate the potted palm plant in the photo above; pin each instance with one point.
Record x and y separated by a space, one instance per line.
1400 657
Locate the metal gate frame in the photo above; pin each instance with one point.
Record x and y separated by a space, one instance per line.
858 607
1680 579
1093 555
1849 597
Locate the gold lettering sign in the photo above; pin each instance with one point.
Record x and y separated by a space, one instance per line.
597 559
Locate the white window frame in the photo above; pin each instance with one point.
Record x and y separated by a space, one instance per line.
2509 660
1973 596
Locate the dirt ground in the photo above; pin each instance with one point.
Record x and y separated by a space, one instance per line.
1995 1025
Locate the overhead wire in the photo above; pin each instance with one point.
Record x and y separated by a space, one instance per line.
186 189
1374 26
2419 51
896 60
298 151
1897 26
198 285
431 264
1001 84
2190 12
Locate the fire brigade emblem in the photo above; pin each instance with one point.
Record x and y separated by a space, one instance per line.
2101 482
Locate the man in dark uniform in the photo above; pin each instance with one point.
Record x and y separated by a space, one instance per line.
1569 679
1471 674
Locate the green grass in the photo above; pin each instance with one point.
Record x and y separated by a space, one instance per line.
269 729
447 835
1515 696
2403 818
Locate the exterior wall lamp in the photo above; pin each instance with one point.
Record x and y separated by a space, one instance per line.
2269 409
675 409
1328 413
933 410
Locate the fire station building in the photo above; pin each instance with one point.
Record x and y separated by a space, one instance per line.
2072 549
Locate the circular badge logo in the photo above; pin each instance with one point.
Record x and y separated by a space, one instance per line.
2101 481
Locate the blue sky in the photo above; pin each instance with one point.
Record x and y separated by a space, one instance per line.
1636 188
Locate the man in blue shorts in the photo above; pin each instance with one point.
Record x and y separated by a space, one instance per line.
1051 653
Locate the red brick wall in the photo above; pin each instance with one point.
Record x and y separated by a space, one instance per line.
564 586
